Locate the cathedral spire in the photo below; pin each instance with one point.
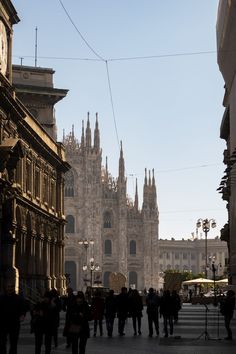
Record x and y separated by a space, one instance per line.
73 131
136 195
88 133
82 136
96 135
121 164
145 179
106 166
153 178
149 179
63 137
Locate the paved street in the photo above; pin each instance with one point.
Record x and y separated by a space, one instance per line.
188 337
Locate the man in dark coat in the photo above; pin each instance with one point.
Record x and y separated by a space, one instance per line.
153 303
13 309
167 309
122 310
227 306
110 312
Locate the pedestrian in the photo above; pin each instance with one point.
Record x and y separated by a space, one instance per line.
167 305
122 310
68 302
57 301
13 309
97 309
78 317
153 303
44 321
135 310
177 305
227 306
190 293
110 312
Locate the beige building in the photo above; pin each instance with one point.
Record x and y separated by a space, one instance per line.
189 255
32 167
226 55
124 237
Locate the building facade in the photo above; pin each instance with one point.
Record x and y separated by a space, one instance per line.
189 255
102 223
226 56
32 168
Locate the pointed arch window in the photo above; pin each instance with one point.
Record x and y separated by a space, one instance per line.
108 248
107 220
70 226
69 184
132 247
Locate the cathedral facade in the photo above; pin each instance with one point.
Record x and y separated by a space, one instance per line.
106 233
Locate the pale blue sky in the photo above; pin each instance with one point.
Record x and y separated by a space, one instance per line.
167 109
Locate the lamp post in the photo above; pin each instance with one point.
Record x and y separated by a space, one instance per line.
206 225
92 267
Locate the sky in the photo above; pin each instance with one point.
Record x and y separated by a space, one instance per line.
149 68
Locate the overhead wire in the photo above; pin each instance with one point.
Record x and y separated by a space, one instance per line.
122 58
103 60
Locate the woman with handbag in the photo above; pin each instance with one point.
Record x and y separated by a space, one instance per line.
78 328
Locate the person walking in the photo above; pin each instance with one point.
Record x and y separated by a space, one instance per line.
97 309
13 309
153 303
57 301
167 308
44 322
177 305
227 306
110 312
67 303
122 310
78 318
135 310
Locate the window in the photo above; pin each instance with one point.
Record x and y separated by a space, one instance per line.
185 256
176 255
108 248
69 184
132 247
193 256
107 222
45 188
28 176
70 226
37 183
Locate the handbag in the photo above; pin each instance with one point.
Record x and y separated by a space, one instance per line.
74 328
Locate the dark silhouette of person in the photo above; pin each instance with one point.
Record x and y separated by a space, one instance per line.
167 306
135 310
177 305
57 301
97 309
78 317
13 308
110 312
67 303
44 322
227 306
122 310
190 293
153 303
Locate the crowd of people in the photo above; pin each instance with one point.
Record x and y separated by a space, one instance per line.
45 316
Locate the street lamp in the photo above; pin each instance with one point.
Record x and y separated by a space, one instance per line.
91 265
206 226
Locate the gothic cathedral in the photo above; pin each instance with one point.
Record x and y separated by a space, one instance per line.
106 233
